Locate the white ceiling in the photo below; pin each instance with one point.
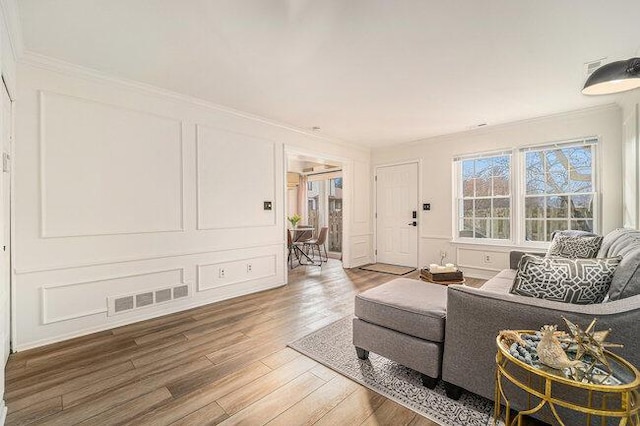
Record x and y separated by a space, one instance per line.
373 72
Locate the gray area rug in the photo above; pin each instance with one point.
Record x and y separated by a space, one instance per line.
333 347
388 269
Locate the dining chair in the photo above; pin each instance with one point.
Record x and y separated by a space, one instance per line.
317 243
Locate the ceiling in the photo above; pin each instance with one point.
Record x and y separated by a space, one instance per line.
372 72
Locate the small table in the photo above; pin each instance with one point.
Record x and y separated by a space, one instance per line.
619 400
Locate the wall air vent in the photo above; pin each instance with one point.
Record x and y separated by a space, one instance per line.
590 67
131 302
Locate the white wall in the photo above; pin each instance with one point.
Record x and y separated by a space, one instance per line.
630 104
436 156
7 69
123 188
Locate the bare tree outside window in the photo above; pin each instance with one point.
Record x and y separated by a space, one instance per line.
560 191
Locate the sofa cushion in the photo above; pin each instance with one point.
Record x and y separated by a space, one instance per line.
579 281
625 243
581 247
409 306
501 283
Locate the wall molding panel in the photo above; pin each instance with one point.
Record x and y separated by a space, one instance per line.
218 154
209 275
111 183
63 294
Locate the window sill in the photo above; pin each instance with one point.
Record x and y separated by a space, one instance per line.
506 245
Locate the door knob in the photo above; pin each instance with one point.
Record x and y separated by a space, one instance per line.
414 223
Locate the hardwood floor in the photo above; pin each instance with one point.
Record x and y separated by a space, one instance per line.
222 363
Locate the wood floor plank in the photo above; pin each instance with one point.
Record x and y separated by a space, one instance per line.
34 412
130 409
208 415
276 402
185 403
135 382
310 409
390 413
247 395
280 358
354 409
191 366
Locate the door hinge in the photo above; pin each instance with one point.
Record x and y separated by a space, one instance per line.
376 215
375 178
376 252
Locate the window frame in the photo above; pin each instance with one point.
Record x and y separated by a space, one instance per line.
458 198
522 187
518 192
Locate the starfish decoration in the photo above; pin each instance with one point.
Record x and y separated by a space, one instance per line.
591 342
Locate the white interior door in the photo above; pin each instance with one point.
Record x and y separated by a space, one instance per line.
5 236
396 202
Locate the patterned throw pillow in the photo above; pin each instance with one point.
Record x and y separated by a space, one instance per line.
578 281
575 247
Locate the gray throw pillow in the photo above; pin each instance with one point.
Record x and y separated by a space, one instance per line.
578 281
575 247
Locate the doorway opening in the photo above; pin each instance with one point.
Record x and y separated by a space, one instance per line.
315 195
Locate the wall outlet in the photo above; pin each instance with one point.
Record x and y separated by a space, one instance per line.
221 273
248 267
487 258
443 254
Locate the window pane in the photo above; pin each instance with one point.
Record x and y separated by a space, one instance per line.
467 208
534 230
501 175
534 173
467 178
557 207
556 225
500 229
582 206
581 180
579 156
481 228
557 182
466 228
483 208
501 207
534 207
582 225
483 177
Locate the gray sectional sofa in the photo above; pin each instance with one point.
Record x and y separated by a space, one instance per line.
475 316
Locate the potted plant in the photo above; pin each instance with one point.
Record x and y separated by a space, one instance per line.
294 220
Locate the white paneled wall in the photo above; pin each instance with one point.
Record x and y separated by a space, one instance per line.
7 69
631 139
127 194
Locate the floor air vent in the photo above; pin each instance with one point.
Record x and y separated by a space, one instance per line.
121 304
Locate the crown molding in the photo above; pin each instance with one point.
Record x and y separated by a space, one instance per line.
49 63
11 19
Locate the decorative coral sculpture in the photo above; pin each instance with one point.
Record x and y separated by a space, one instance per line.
591 342
550 350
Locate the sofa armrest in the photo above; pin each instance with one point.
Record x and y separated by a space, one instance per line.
475 316
515 256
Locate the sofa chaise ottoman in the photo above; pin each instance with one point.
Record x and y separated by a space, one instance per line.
404 321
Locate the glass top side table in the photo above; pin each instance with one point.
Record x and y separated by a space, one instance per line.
617 399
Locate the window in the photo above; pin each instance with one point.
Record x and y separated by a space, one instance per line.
524 198
484 197
560 189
